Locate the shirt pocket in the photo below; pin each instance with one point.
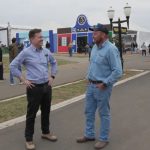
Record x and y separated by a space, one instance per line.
44 61
100 59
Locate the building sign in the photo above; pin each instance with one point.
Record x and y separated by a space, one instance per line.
123 30
82 19
82 30
81 24
63 30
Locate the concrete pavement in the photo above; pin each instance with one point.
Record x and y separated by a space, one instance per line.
136 61
130 122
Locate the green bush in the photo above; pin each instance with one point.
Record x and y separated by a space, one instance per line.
5 50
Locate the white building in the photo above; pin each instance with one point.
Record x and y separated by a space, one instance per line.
143 35
12 30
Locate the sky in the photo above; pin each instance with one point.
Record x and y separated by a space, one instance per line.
54 14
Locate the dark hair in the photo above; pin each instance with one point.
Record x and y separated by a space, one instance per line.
13 40
33 32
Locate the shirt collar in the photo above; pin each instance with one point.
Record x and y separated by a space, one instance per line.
34 48
102 45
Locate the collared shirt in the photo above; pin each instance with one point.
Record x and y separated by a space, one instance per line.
36 64
105 64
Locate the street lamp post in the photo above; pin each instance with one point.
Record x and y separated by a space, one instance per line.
111 12
8 34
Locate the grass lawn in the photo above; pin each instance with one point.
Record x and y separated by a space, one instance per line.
78 55
59 61
17 107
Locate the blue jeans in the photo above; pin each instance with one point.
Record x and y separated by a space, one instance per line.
11 78
97 99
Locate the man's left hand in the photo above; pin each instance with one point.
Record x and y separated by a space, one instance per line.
101 86
50 81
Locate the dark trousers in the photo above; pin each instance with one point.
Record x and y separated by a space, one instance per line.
143 52
1 72
89 55
70 52
38 96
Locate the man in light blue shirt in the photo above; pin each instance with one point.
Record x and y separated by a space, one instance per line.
104 70
38 82
36 63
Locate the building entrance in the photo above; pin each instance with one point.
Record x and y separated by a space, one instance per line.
81 43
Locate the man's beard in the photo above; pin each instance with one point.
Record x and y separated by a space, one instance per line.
98 41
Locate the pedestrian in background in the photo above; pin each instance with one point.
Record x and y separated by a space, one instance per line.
136 47
70 49
149 49
13 52
132 47
144 49
88 49
48 46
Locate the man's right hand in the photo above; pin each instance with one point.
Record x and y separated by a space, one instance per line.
28 84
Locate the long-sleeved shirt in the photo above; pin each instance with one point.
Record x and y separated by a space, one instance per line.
36 64
144 47
105 64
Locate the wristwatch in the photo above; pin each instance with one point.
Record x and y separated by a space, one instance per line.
53 77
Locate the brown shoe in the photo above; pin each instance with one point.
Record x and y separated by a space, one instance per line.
30 146
100 145
49 137
84 139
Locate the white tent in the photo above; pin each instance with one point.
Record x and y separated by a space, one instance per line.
12 32
143 35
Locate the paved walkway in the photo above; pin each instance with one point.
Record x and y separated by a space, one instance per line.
136 61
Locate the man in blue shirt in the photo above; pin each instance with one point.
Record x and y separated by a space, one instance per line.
104 70
38 82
